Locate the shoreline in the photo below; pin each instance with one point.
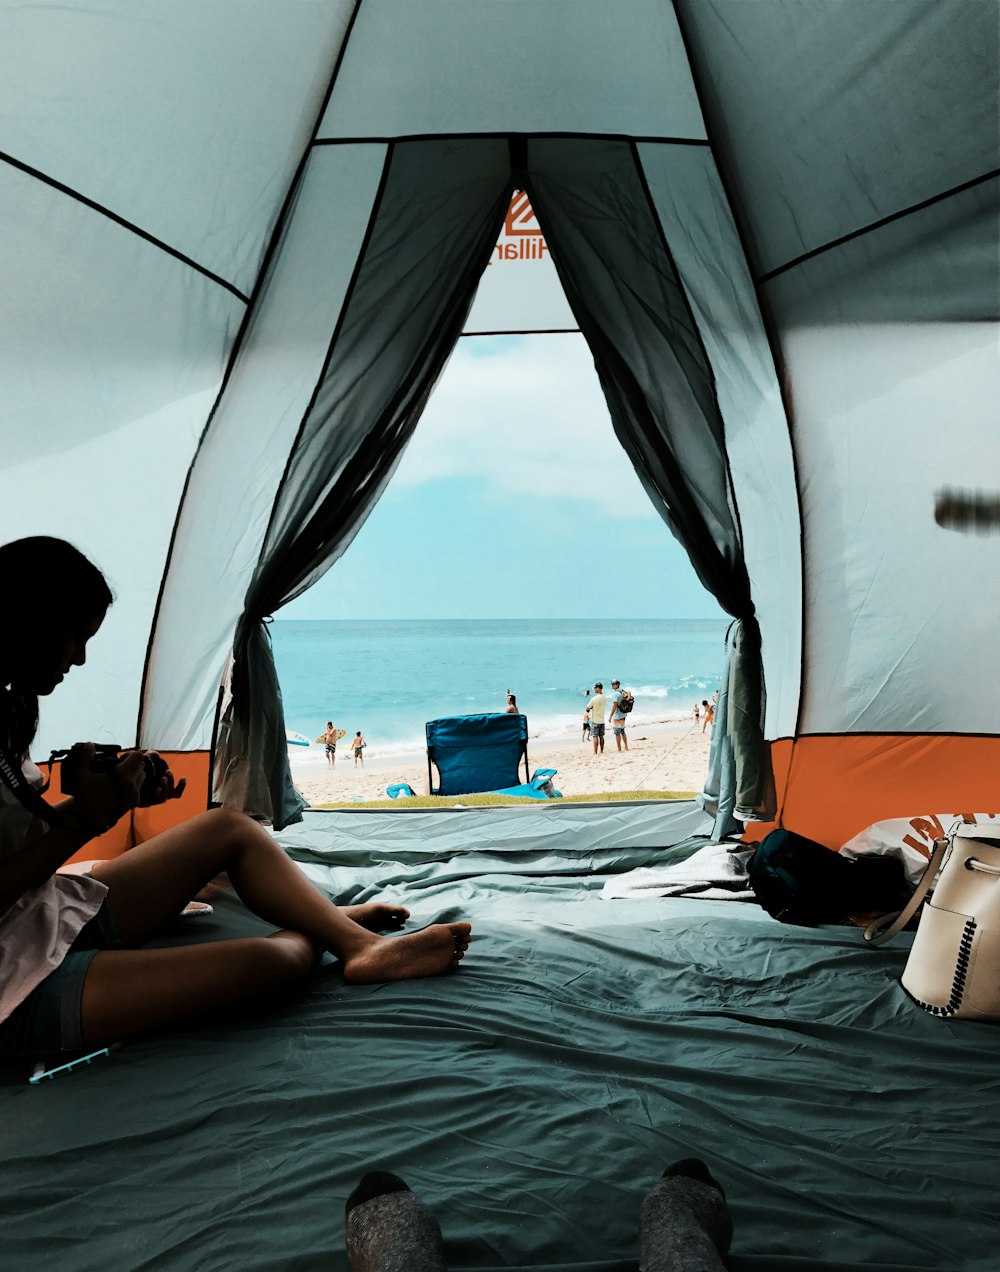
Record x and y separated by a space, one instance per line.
665 754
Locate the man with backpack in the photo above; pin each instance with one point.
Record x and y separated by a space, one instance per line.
621 703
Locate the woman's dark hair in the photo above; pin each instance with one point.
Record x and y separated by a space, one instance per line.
49 589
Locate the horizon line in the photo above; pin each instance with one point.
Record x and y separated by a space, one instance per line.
506 618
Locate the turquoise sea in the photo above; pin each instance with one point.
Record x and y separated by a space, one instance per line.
388 678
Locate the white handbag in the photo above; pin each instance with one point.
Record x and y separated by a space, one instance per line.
954 964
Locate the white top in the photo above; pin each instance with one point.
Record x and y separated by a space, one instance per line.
38 929
596 708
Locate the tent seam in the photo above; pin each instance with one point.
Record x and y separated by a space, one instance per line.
877 225
887 733
524 331
505 134
114 217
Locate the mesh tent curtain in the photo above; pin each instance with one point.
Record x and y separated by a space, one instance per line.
434 222
611 249
435 219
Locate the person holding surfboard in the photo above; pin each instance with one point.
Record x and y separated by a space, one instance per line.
330 738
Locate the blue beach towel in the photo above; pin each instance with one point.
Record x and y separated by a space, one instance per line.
540 786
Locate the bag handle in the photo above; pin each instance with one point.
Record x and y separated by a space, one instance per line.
884 928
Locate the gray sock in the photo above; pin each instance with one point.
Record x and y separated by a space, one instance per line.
684 1224
391 1230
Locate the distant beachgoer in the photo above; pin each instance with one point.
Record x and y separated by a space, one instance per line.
596 708
330 739
618 716
709 714
586 723
358 745
696 713
512 707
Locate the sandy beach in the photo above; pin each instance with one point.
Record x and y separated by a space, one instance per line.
666 755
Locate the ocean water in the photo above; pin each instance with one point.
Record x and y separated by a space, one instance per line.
388 678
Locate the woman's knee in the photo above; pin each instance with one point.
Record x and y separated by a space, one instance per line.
230 823
288 957
231 831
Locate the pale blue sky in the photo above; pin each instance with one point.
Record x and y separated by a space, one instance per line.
514 499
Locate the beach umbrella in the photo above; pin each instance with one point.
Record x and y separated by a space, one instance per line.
241 241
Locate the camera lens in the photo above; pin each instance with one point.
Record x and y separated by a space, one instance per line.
156 767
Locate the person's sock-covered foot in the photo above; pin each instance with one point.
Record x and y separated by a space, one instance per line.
684 1224
391 1230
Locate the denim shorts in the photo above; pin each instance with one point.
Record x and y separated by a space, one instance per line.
618 728
597 730
48 1023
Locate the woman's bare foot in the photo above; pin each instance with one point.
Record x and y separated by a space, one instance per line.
377 916
430 952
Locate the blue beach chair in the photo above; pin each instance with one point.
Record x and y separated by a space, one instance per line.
483 753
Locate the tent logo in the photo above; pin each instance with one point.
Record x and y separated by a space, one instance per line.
521 238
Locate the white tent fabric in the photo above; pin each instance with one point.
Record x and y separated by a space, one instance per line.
188 193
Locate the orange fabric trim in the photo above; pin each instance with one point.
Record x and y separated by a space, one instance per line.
147 822
830 788
192 765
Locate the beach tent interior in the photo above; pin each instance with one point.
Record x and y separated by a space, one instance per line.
240 242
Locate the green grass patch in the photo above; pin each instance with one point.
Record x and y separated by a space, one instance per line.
498 801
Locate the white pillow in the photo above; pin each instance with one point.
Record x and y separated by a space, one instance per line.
911 838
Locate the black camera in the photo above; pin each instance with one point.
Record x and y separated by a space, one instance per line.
106 758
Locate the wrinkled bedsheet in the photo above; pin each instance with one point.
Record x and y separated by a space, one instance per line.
532 1097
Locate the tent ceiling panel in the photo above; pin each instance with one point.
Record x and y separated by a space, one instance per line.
821 110
115 497
241 462
938 264
82 349
474 66
898 638
693 210
188 121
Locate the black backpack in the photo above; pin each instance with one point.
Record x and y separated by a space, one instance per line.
799 881
627 702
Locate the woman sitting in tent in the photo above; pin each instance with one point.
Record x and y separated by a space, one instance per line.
72 971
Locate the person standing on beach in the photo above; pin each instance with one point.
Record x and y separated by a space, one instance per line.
330 740
596 708
709 714
618 715
586 723
358 745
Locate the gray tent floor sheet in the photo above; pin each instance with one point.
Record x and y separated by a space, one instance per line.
532 1097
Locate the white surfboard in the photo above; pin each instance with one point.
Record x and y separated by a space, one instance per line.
296 739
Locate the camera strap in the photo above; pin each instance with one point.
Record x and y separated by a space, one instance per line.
26 794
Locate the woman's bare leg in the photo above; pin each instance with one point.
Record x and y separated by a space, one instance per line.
151 883
130 993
